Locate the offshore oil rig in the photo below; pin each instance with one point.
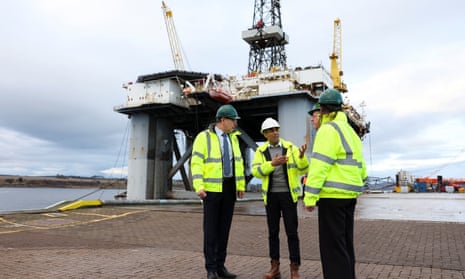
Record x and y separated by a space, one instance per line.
168 105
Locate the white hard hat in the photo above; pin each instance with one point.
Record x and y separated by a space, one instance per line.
269 123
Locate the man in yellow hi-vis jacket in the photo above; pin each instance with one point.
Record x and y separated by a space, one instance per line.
279 163
335 179
218 176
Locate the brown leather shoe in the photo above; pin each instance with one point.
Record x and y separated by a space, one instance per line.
274 272
294 270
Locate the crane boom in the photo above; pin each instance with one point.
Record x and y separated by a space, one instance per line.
173 37
336 58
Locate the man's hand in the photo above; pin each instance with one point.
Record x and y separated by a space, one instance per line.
202 194
240 194
278 160
309 208
302 150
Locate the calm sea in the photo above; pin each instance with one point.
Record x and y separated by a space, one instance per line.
15 198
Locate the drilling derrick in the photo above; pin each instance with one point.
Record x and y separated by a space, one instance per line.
266 38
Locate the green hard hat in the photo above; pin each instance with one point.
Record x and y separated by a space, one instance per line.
227 111
330 97
316 107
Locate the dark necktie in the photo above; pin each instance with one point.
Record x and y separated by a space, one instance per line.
226 161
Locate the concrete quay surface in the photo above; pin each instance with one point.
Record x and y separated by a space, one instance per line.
165 241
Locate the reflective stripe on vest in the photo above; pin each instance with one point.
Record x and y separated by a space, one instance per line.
333 184
217 160
294 166
209 150
349 154
259 169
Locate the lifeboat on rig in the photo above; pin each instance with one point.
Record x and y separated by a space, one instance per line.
220 94
217 88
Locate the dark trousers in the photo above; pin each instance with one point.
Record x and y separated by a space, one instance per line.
277 204
218 209
336 233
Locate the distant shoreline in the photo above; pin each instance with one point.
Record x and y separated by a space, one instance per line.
62 182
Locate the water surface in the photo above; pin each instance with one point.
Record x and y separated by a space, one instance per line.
19 198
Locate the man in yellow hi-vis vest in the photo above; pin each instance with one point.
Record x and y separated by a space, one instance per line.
279 164
218 176
335 179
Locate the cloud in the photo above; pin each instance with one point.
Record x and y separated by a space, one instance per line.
116 172
418 85
27 155
63 64
416 110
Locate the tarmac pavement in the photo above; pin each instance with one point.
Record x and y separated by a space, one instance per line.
165 241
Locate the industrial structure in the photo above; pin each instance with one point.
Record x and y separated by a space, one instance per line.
178 101
336 58
266 38
173 37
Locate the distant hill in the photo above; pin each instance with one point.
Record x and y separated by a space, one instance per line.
62 182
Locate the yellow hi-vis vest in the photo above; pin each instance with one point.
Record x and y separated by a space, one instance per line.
337 169
262 168
206 163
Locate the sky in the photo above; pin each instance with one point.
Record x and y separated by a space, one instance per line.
63 63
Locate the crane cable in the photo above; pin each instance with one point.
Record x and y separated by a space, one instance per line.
124 147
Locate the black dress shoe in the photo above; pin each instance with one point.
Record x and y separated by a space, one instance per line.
224 273
212 275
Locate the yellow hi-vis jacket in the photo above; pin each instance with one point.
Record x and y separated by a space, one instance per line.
337 169
262 168
206 163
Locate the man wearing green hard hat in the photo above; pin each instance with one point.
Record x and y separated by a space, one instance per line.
335 179
218 177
